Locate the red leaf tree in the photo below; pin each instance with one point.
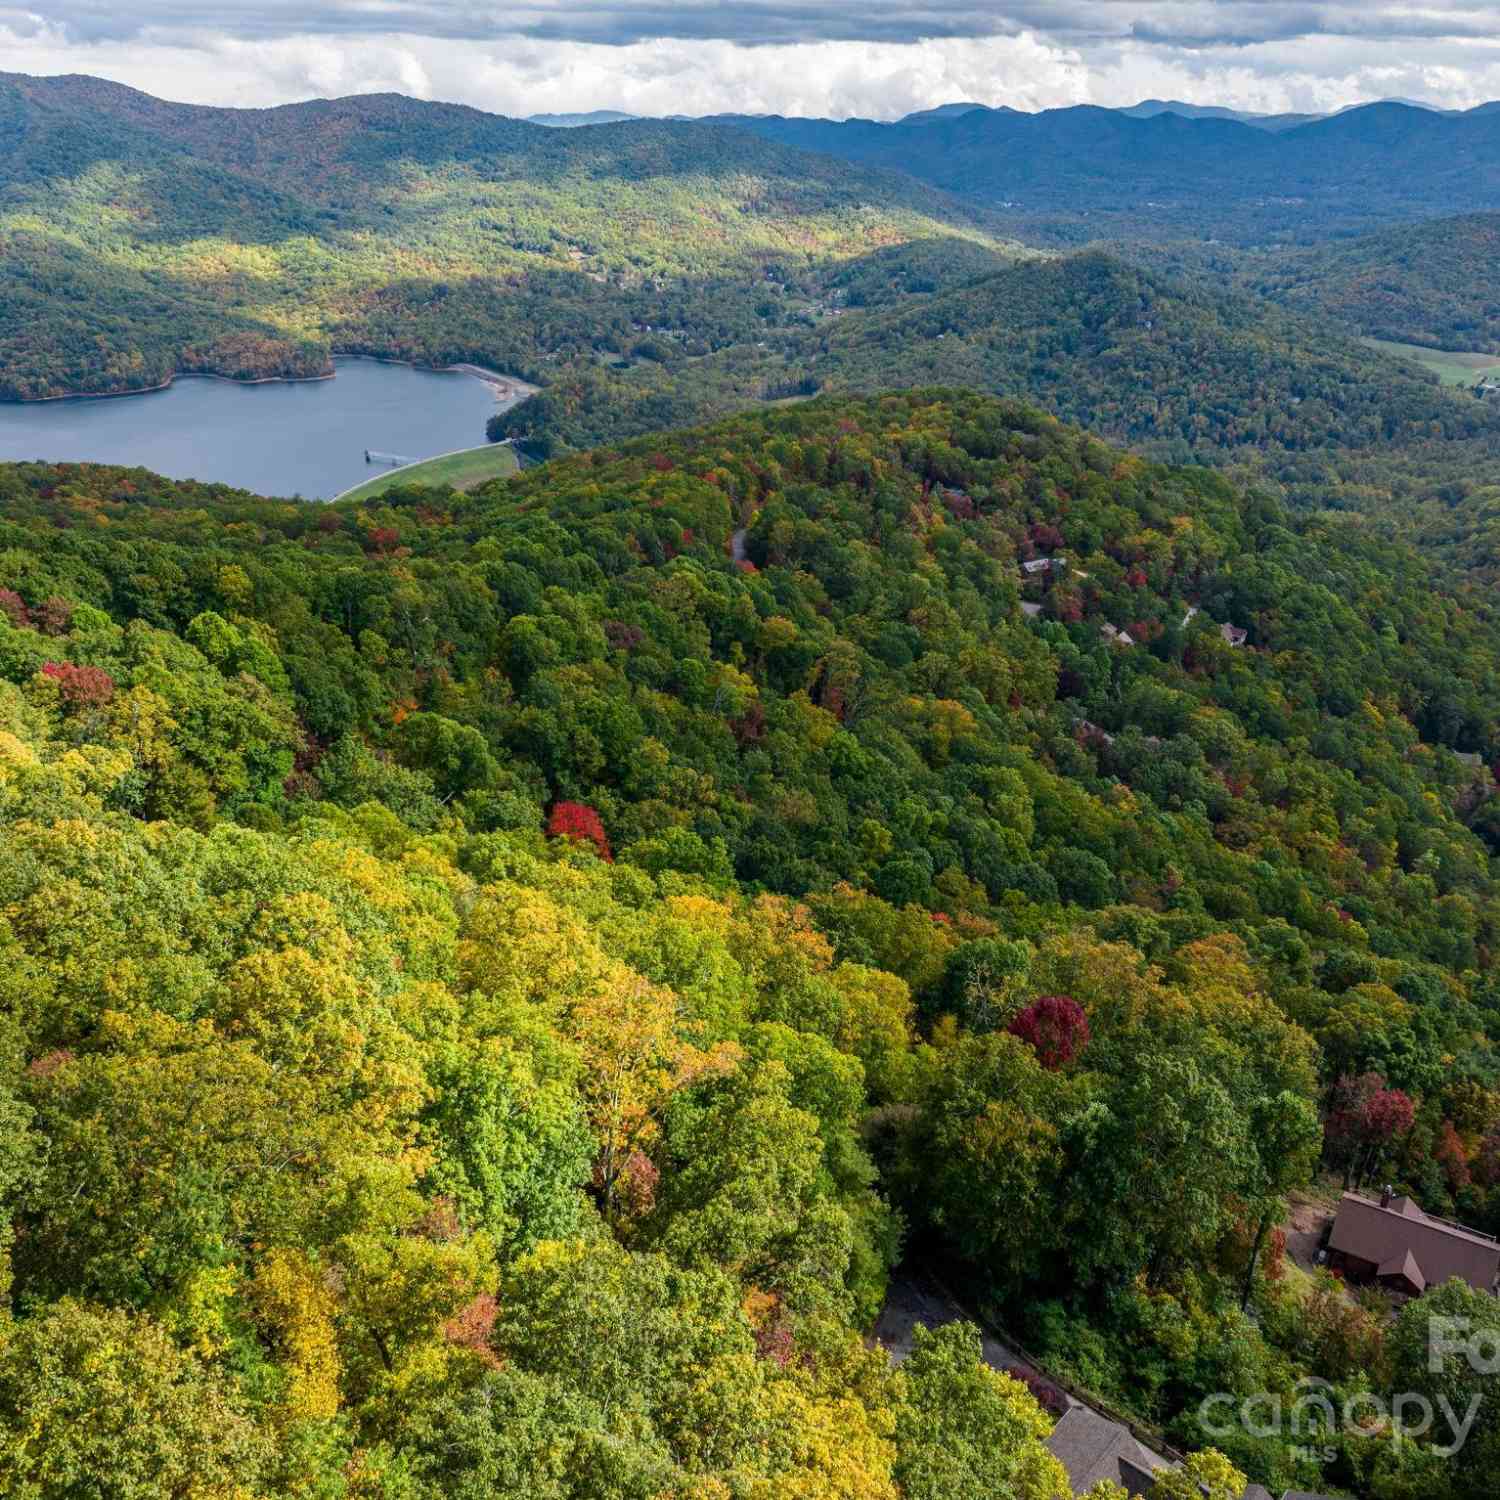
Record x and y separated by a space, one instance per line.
81 687
13 607
1452 1158
1364 1119
579 822
1054 1027
1048 1396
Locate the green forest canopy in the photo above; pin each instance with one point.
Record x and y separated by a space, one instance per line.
435 928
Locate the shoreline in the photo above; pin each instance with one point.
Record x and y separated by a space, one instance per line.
515 391
172 379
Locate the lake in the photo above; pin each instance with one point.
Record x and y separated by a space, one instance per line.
303 438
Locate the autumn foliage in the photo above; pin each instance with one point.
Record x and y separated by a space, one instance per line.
579 822
1365 1118
1054 1027
81 687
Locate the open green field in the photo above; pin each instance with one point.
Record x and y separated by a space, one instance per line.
1452 367
463 470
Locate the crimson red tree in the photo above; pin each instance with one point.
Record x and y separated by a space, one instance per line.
13 607
1364 1119
578 821
1054 1027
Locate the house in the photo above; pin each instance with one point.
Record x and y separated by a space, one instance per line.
1234 635
1036 565
1119 637
1393 1242
1031 611
1091 1448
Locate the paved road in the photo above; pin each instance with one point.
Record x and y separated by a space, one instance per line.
916 1298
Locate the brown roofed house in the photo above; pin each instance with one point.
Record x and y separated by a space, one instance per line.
1091 1448
1395 1243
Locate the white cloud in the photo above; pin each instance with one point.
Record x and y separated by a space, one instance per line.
1029 69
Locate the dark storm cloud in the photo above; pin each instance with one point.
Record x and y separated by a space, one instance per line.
1186 24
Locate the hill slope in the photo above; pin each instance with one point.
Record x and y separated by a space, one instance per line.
597 901
816 631
140 236
1145 359
1436 283
1179 368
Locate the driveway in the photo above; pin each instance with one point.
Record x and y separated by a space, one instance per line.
914 1298
1306 1220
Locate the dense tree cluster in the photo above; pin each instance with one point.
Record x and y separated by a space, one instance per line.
492 981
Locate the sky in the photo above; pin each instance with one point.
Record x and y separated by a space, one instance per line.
834 58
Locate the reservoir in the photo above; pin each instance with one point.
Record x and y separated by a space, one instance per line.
304 438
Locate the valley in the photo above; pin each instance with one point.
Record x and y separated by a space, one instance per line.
1455 367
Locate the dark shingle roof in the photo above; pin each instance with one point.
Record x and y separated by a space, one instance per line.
1401 1232
1091 1448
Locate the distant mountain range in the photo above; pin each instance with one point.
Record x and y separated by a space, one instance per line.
1165 169
592 117
1086 173
1147 109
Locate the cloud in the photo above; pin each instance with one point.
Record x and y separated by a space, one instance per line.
1169 23
875 58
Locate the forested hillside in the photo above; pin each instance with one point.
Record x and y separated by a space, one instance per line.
654 274
1084 172
139 237
1191 365
1172 365
493 981
1435 283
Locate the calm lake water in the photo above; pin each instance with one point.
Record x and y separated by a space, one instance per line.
306 438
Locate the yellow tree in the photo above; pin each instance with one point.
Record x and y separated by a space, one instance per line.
1206 1475
628 1035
